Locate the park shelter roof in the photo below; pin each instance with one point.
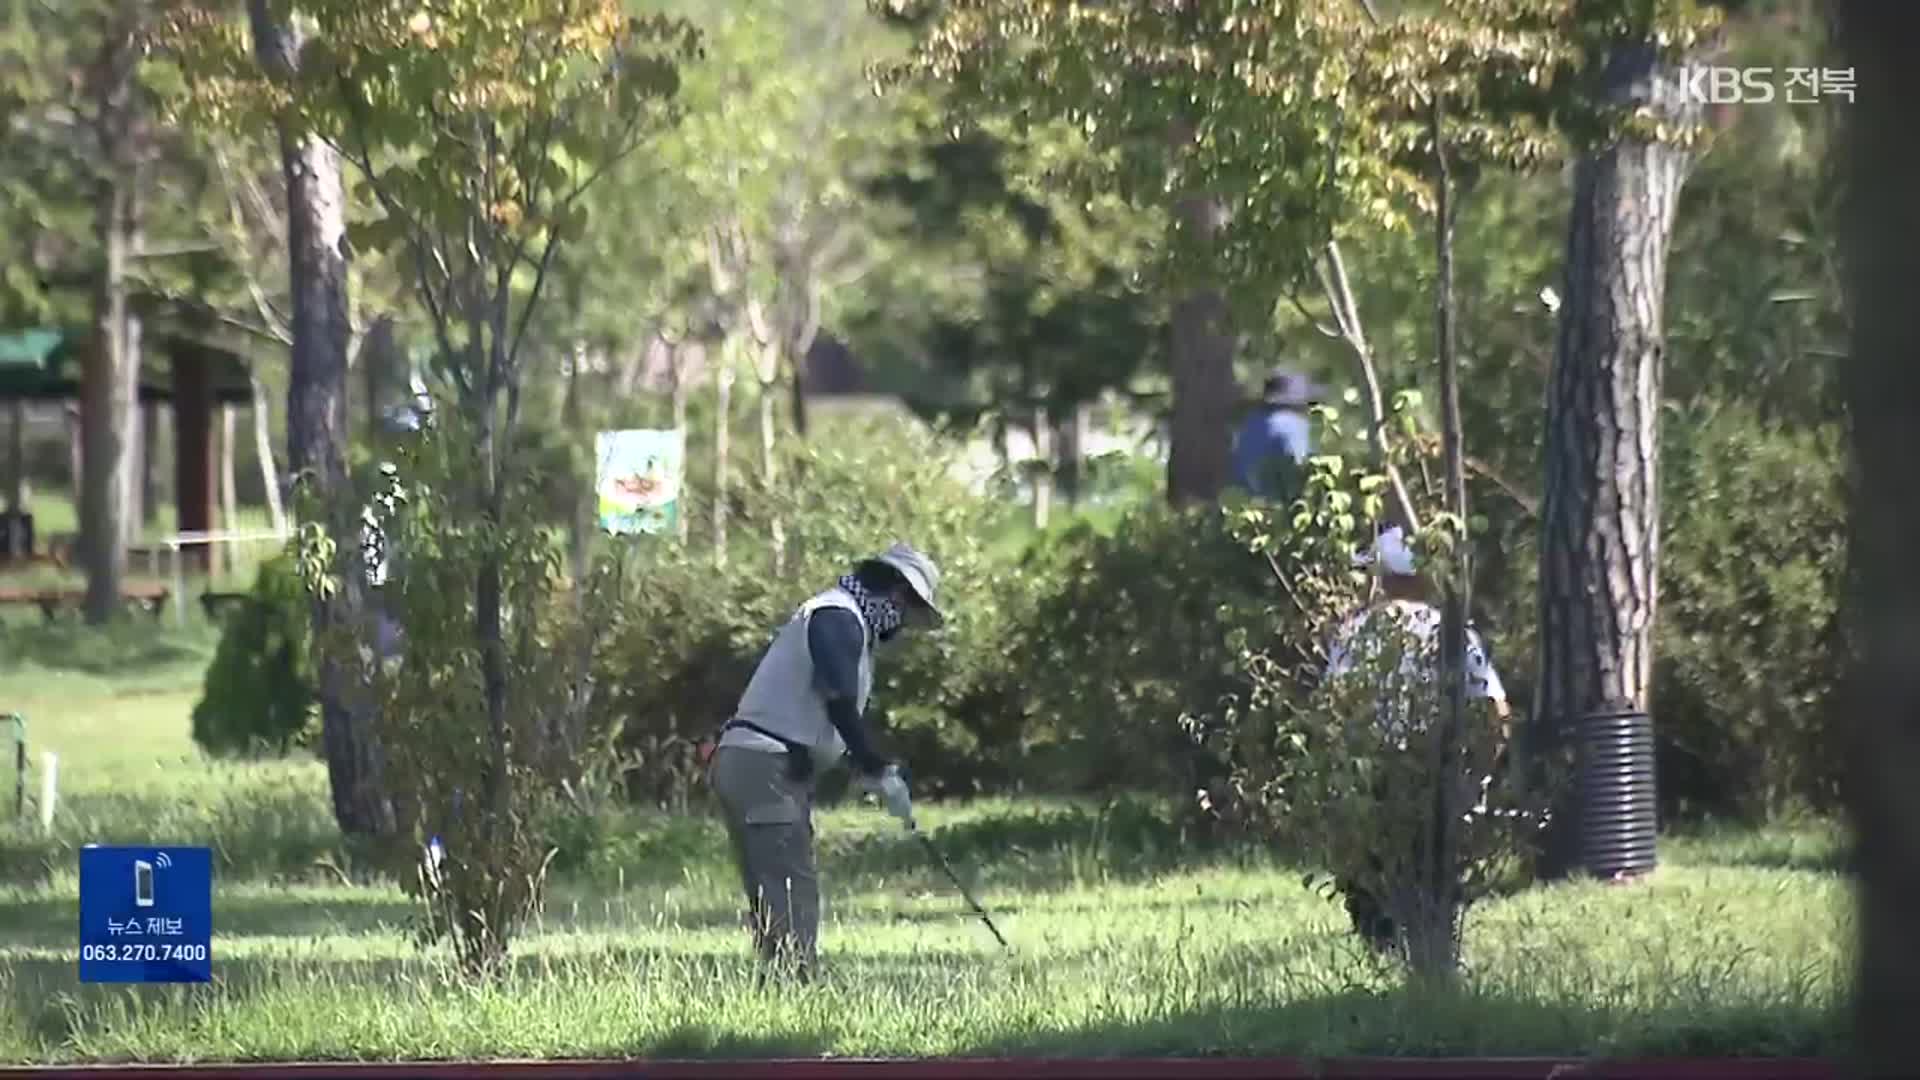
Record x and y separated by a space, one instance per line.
43 364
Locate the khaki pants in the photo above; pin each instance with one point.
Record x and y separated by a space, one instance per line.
769 817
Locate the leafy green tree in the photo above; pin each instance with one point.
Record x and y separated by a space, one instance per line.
1019 305
475 132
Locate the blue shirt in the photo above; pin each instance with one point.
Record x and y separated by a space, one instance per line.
1268 434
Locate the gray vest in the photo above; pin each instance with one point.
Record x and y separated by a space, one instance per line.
781 696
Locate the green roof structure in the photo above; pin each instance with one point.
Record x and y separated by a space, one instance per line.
43 364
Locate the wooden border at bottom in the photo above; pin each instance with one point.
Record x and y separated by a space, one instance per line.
1202 1068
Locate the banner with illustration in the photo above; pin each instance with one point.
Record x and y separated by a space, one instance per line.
639 479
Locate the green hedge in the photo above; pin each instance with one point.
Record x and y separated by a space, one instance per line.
1753 553
258 695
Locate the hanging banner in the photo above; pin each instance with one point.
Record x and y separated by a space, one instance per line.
639 480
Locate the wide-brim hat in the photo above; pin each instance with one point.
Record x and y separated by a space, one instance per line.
1290 389
922 576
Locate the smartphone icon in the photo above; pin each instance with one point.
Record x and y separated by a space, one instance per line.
142 883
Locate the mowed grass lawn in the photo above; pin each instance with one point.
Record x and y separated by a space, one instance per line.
1126 940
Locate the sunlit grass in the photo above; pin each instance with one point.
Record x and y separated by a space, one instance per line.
1128 938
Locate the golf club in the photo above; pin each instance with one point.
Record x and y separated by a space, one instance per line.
927 841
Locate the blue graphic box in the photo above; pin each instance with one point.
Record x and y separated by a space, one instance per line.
146 914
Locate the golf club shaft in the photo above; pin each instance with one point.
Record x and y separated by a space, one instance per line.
927 842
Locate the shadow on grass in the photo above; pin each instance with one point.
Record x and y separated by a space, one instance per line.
1819 848
47 922
1036 848
128 650
1246 1014
1409 1023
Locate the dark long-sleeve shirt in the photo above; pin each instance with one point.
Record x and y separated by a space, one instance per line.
836 640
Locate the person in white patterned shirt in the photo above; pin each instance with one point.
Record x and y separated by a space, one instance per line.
1405 606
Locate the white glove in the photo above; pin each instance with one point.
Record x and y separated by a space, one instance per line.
893 791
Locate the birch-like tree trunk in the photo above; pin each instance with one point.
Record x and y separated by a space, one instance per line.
767 373
1600 517
1042 468
263 450
229 490
678 359
723 376
579 549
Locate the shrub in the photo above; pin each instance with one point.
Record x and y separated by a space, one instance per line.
501 803
259 689
1752 560
690 632
1128 631
1396 811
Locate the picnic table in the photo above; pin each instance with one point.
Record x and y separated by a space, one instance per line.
51 601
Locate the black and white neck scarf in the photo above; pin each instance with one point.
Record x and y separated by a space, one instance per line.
882 614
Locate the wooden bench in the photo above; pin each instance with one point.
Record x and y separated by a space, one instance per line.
151 598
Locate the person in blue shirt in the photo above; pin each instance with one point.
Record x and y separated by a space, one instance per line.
1277 438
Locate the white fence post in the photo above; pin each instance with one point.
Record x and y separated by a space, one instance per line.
49 790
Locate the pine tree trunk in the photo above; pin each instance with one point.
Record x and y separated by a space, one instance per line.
1880 712
317 430
769 377
1200 436
1600 518
105 379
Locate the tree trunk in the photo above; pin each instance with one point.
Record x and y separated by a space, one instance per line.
722 448
17 456
579 547
1042 468
127 474
149 451
104 413
229 495
263 450
1600 518
76 452
768 372
379 370
677 361
1880 712
1200 436
1433 938
134 465
317 425
1071 439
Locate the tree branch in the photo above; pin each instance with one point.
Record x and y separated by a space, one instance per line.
280 326
1333 279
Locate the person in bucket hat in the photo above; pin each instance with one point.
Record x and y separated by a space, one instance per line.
803 711
1272 446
